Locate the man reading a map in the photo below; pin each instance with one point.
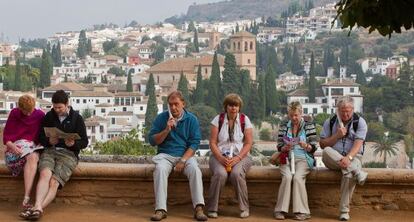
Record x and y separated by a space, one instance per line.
60 156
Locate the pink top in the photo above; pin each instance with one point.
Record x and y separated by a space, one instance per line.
20 126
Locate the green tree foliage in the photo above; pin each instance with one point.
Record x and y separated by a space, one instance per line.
158 54
198 94
150 113
46 70
57 55
109 45
320 118
231 76
145 38
204 114
265 135
87 113
191 27
214 95
376 131
383 16
237 28
295 63
272 101
119 51
129 83
196 46
245 88
328 59
126 145
287 55
360 79
183 88
254 108
150 88
117 71
82 50
374 165
262 96
312 81
18 76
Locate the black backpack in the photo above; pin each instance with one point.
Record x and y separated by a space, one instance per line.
355 122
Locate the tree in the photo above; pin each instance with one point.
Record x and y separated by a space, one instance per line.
18 76
82 50
58 55
198 94
272 103
183 88
108 45
204 115
214 95
158 54
253 106
191 27
150 88
89 46
86 113
262 96
383 16
360 79
312 81
237 28
129 83
287 55
245 88
231 76
295 63
385 146
145 38
117 71
150 113
45 70
196 46
328 59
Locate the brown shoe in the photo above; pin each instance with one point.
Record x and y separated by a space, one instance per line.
159 215
199 214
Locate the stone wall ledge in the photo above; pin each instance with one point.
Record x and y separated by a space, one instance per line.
110 171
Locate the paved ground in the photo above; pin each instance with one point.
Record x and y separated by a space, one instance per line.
65 212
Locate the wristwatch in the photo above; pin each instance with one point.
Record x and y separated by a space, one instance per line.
182 160
350 157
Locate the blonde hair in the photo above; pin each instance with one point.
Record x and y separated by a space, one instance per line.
294 106
232 99
26 103
345 100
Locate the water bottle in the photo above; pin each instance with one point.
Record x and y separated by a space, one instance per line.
228 153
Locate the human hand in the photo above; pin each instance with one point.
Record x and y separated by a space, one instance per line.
69 142
179 167
287 148
303 144
15 149
341 132
344 162
235 160
170 124
53 140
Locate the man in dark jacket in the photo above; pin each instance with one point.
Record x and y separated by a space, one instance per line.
60 156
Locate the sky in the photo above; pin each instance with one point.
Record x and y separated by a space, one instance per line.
31 19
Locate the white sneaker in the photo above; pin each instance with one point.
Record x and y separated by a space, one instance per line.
244 214
361 177
344 217
212 214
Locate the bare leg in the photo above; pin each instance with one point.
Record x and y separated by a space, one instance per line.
30 169
53 187
42 188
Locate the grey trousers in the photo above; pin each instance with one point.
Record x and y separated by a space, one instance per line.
299 194
331 158
237 177
164 163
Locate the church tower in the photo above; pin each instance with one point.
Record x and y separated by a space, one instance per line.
243 46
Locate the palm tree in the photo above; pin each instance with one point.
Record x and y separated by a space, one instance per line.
385 146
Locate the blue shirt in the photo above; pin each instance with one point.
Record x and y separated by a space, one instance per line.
185 135
298 151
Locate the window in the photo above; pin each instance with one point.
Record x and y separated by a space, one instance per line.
337 92
103 110
97 101
124 109
158 79
127 101
248 61
141 108
78 101
113 120
109 101
116 101
173 78
325 110
234 46
315 110
205 70
84 100
351 89
101 129
305 110
324 100
93 129
238 45
246 47
251 45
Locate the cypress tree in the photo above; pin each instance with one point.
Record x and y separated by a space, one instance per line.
89 46
237 28
360 78
183 88
312 81
82 45
231 76
198 95
54 55
129 82
150 113
45 70
253 105
295 63
150 88
196 46
214 95
245 88
18 76
58 55
271 94
191 27
262 97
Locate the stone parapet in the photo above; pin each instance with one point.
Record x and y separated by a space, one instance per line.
132 184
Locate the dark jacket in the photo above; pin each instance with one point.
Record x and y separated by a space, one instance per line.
72 124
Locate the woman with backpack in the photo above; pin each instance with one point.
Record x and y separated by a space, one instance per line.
297 141
230 142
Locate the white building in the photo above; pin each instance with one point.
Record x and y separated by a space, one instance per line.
327 95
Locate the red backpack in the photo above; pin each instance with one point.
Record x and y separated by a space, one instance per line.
242 121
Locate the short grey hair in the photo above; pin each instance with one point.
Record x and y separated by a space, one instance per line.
344 100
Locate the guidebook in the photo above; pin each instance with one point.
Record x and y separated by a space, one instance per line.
27 147
55 132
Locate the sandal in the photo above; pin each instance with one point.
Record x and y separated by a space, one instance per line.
26 203
35 215
25 213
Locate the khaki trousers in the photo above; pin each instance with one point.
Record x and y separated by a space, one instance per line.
331 158
237 177
164 163
299 194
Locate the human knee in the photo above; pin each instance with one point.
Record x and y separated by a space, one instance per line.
162 168
298 178
237 176
32 158
220 174
53 183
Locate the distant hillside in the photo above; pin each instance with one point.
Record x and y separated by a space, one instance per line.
238 9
